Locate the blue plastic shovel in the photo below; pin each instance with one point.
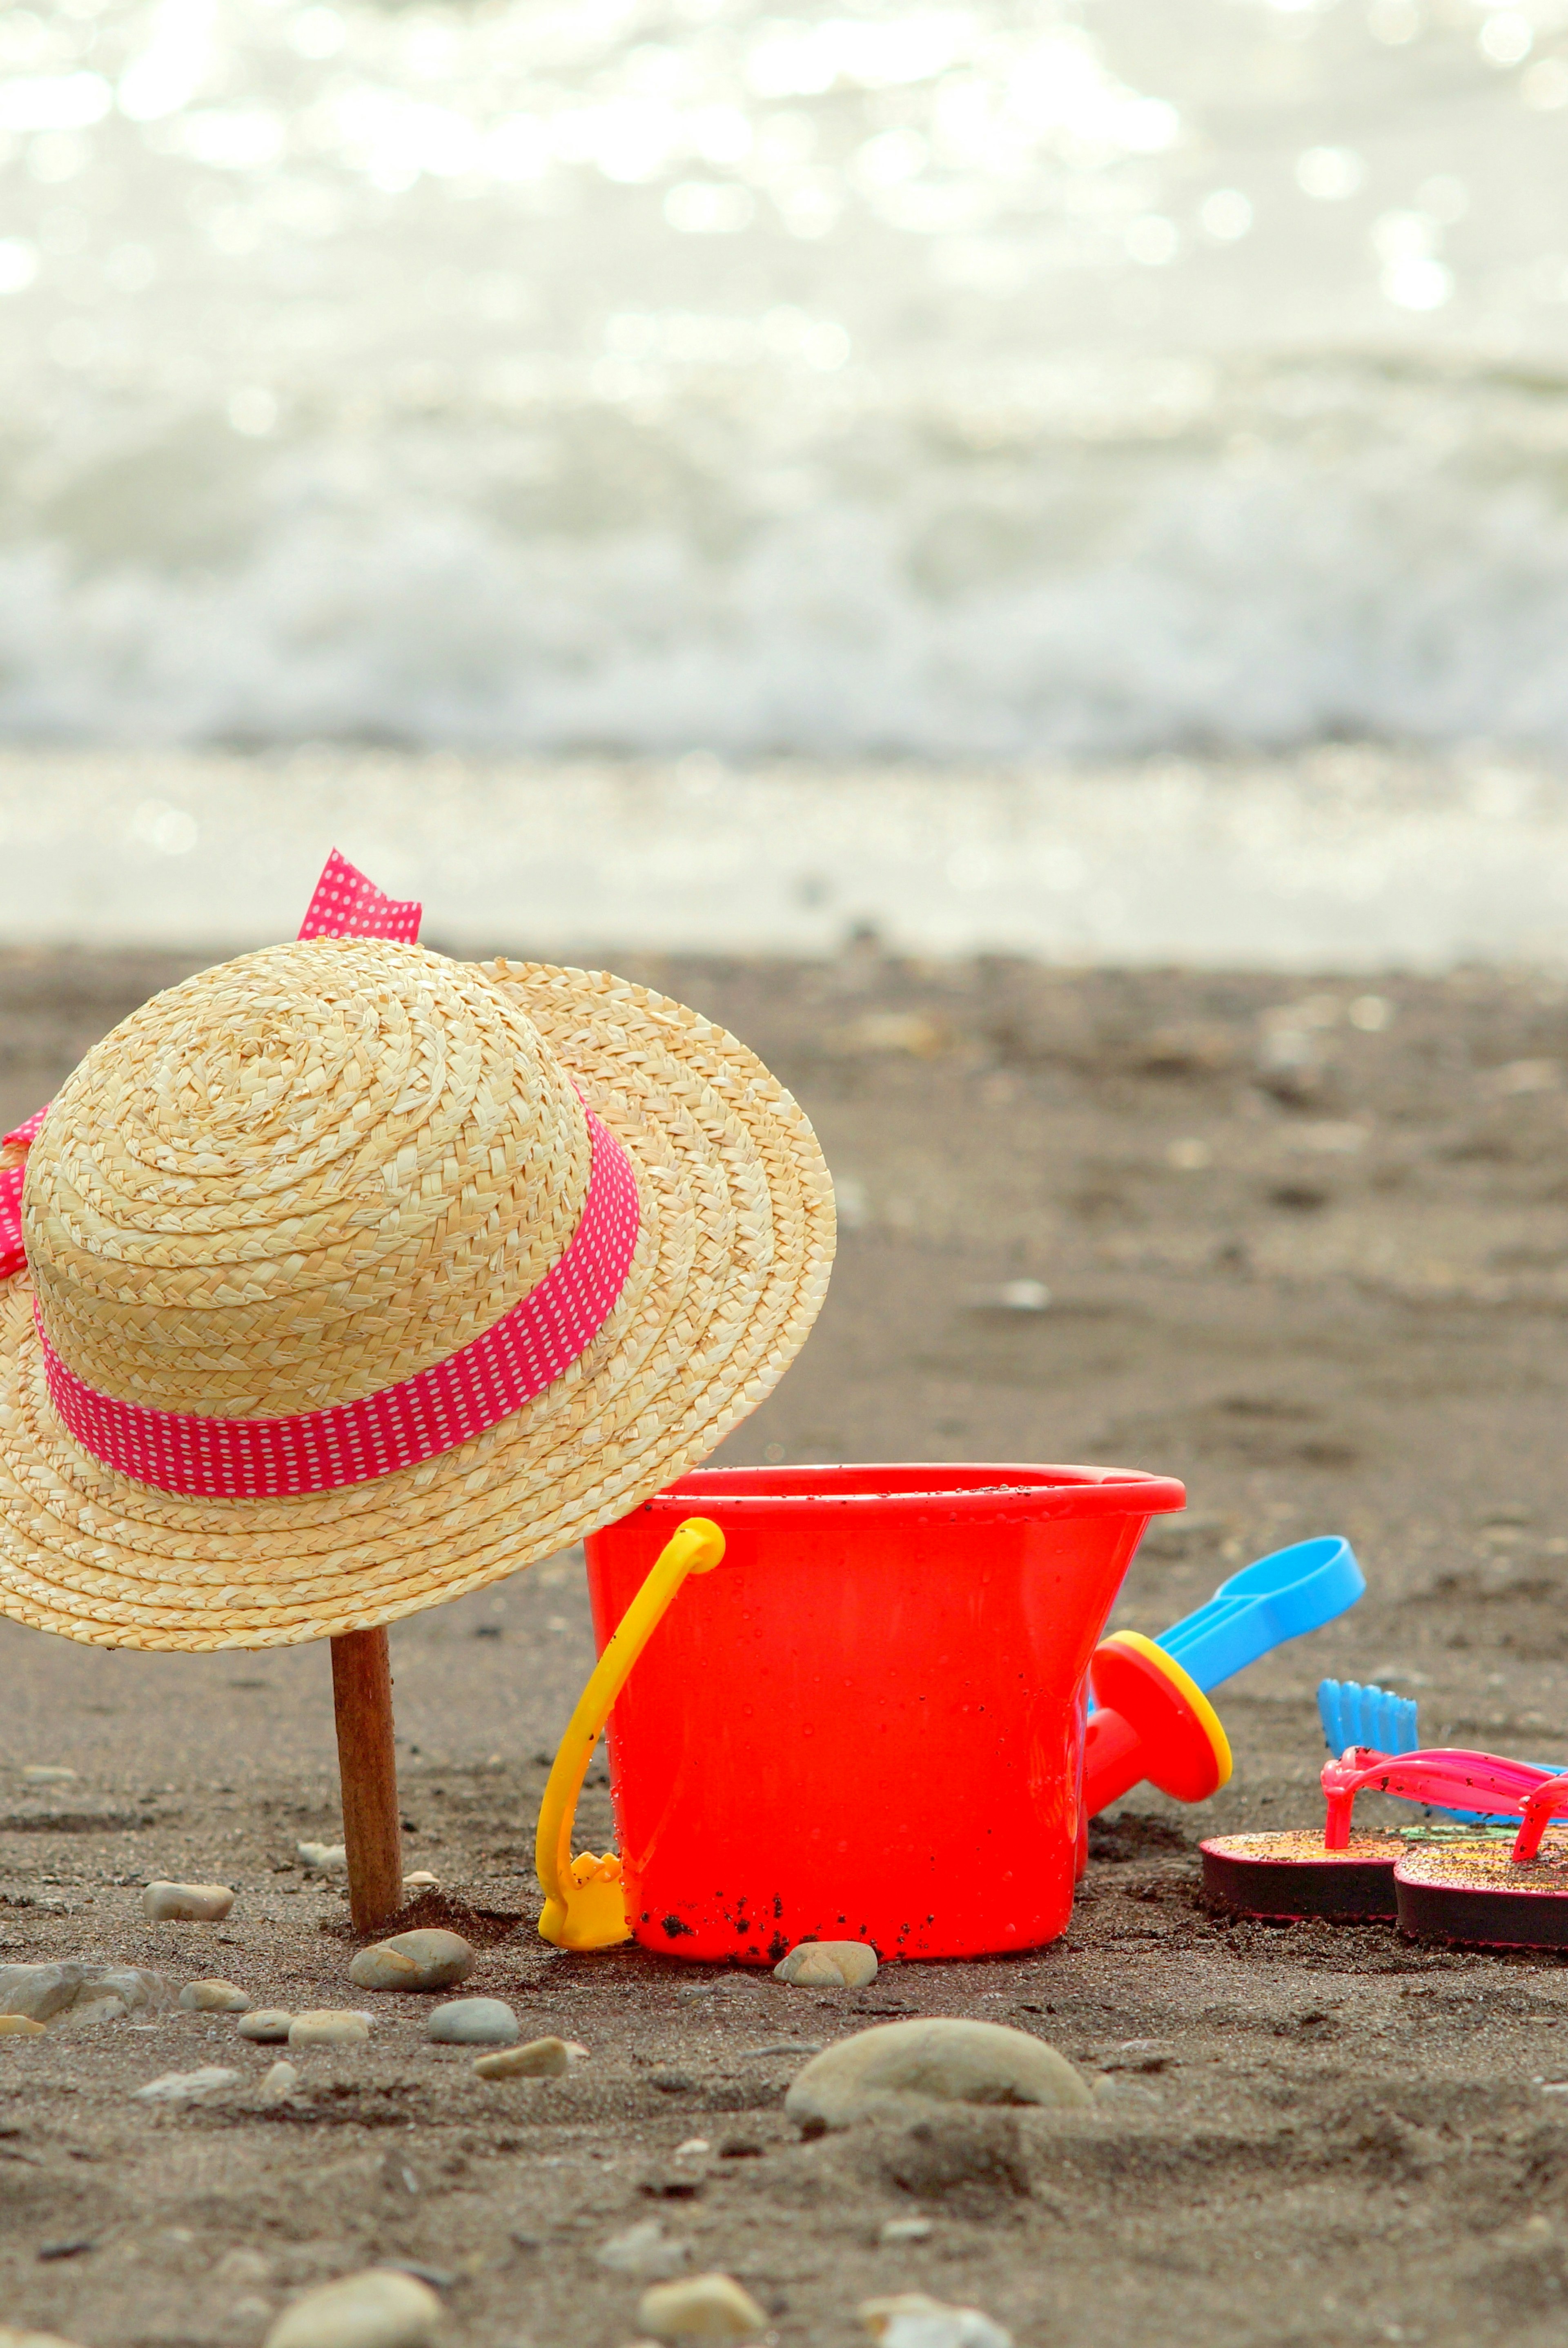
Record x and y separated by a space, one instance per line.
1281 1597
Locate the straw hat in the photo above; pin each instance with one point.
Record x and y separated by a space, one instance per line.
321 1175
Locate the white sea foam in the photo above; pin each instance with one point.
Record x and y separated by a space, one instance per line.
943 381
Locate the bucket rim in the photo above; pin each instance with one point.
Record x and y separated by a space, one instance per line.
961 1489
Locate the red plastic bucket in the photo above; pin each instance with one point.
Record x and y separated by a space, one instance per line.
867 1723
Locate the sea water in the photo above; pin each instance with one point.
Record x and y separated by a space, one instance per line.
936 380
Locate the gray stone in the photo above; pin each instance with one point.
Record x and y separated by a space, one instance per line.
473 2022
912 2320
329 2025
42 1993
541 2058
186 2087
278 2083
265 2025
421 1960
213 1997
828 1964
905 2230
322 1857
949 2061
376 2310
187 1904
699 2307
646 2251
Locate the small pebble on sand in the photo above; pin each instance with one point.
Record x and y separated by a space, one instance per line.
378 2310
541 2058
213 1997
11 2338
646 2251
699 2307
828 1964
905 2230
473 2022
47 1772
946 2059
422 1880
186 2087
421 1960
278 2082
19 2025
265 2025
912 2320
329 2025
322 1857
187 1904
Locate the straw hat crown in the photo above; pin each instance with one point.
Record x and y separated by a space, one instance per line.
300 1177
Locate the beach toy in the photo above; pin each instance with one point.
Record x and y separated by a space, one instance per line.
347 1278
1350 1875
1150 1720
867 1723
1279 1597
1372 1716
585 1902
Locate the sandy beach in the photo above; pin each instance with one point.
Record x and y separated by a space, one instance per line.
1303 1242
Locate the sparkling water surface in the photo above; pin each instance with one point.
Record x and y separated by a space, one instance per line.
949 381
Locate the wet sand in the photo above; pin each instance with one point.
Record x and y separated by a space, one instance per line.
1305 1245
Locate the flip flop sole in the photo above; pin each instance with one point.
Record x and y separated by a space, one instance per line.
1472 1894
1291 1875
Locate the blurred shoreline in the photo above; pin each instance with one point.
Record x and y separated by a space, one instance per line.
1341 858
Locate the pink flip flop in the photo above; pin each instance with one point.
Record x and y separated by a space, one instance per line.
1357 1878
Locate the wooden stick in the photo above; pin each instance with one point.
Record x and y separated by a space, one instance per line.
368 1765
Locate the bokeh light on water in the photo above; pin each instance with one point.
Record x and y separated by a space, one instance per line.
962 380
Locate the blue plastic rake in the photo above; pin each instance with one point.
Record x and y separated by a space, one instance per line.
1354 1715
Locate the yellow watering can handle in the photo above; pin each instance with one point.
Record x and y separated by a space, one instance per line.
585 1906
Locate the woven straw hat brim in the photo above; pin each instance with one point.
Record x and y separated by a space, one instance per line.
730 1269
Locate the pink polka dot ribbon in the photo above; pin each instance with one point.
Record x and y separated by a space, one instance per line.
353 1442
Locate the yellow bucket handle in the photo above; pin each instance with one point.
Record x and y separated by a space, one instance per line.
585 1902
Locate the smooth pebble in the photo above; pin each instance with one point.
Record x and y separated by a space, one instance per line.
11 2338
828 1964
265 2025
19 2025
328 2025
912 2320
949 2060
473 2022
699 2307
541 2058
422 1880
377 2309
43 1992
646 2251
185 2086
213 1997
278 2082
46 1773
421 1960
322 1857
187 1904
905 2230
